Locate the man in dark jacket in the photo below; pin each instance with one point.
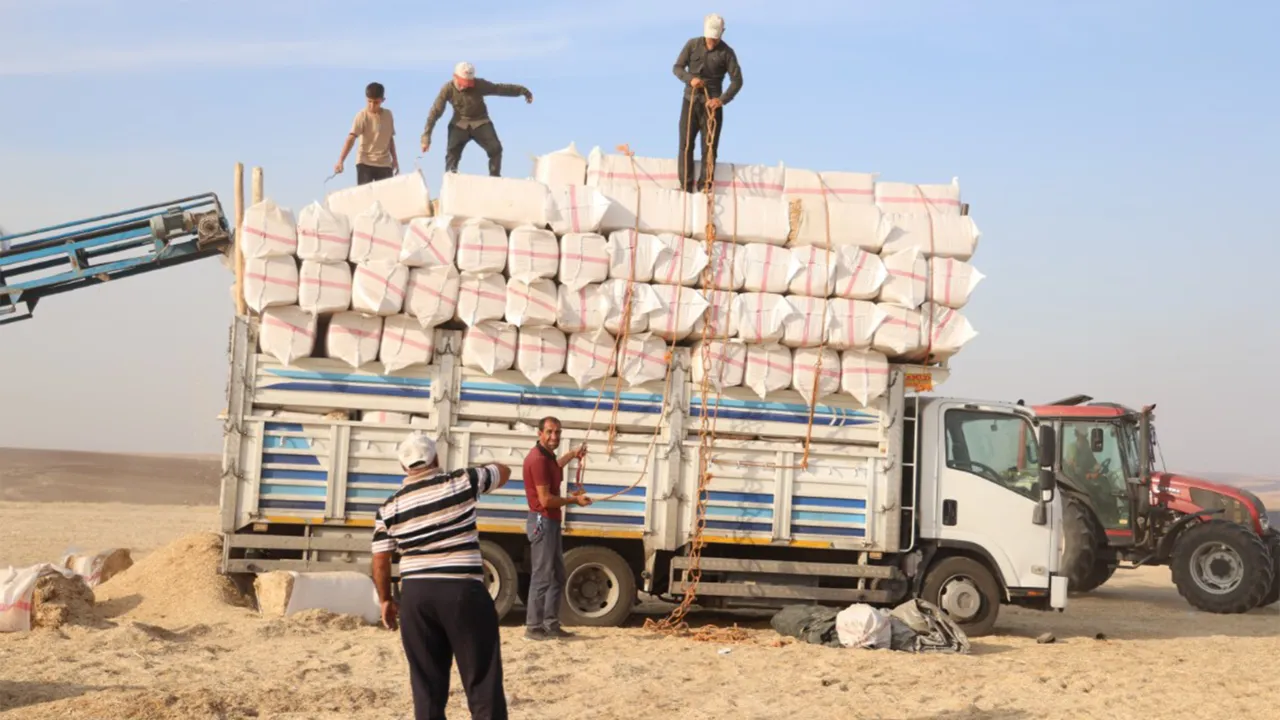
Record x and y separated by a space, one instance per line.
702 64
470 121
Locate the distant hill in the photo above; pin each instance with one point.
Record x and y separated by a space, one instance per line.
69 476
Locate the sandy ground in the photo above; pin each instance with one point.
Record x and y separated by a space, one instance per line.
167 643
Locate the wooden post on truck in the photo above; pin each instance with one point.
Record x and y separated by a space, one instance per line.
238 250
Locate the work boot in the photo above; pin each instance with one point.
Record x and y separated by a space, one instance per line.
558 633
535 634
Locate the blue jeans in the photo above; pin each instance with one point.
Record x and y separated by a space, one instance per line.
546 586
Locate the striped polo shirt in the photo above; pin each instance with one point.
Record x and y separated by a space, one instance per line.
431 523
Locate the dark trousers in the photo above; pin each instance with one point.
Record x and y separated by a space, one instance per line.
371 173
443 619
546 586
485 136
696 138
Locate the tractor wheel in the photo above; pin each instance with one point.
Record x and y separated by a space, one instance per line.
1222 567
1084 543
1103 570
1273 544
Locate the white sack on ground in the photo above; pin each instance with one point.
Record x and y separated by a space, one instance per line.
405 342
644 359
815 271
632 255
681 262
581 310
843 187
862 626
722 362
761 316
268 231
490 347
900 334
323 235
429 242
403 197
376 236
643 302
907 282
481 297
810 363
951 282
584 259
433 295
565 166
897 197
577 209
763 181
728 264
657 173
354 338
681 307
838 224
288 333
947 330
744 219
768 369
482 247
936 235
16 588
809 323
864 375
531 303
540 352
859 274
270 282
379 288
853 323
324 287
721 314
649 210
532 253
591 357
505 201
767 268
96 568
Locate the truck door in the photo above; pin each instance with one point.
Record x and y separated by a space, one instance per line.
988 492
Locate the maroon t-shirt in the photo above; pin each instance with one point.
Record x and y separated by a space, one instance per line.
542 468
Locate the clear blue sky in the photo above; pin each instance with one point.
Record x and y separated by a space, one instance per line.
1120 158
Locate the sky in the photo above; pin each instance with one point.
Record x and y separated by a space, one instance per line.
1119 158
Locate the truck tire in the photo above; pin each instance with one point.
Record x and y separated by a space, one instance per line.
499 576
1222 567
967 591
599 587
1273 544
1083 544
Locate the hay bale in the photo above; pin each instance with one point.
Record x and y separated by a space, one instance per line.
273 590
60 600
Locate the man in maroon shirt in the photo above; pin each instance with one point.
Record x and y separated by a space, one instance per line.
543 472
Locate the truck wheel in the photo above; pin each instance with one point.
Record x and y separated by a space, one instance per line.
1273 544
1083 538
599 588
966 590
499 576
1222 567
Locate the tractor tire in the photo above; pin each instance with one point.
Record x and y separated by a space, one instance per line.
1084 546
1222 567
500 577
1103 570
1273 544
966 591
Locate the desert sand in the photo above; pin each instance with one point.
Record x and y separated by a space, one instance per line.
168 640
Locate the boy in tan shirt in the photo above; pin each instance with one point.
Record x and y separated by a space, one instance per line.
377 130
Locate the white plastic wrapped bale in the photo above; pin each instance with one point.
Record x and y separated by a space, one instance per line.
591 357
489 347
728 266
643 302
853 323
429 242
768 368
864 375
846 187
324 287
532 253
379 287
681 262
948 331
763 181
577 209
323 235
934 234
633 256
506 201
288 333
907 282
767 268
899 197
809 323
650 210
541 353
837 224
354 338
951 282
376 236
270 282
859 274
584 259
482 247
268 231
681 308
722 363
404 197
532 303
433 295
761 317
900 334
657 173
815 271
644 359
582 309
481 297
383 417
404 343
566 166
744 219
810 363
721 314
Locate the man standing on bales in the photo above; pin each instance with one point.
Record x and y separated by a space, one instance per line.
701 66
543 473
470 121
377 132
444 609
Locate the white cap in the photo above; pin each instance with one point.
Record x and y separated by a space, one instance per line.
465 70
713 26
417 448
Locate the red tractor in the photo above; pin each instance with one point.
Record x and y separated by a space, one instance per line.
1215 538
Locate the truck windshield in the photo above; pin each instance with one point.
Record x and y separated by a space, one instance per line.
1001 448
1105 466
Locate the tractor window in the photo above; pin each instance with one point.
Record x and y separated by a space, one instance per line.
1104 468
998 447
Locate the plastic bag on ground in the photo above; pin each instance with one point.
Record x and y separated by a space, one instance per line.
900 334
632 255
378 288
723 363
812 624
728 262
323 236
581 310
898 197
540 353
721 315
376 236
768 370
681 262
270 282
643 359
907 282
584 259
808 363
618 169
490 346
288 333
951 282
862 626
864 375
532 253
506 201
853 323
481 297
429 242
531 303
268 231
566 166
761 316
404 343
930 629
953 236
681 307
643 302
432 297
767 268
354 338
403 197
859 274
592 357
578 209
482 247
809 323
324 287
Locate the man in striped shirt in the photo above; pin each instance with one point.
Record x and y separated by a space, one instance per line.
431 524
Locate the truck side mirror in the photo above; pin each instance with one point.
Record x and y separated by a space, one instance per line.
1048 451
1095 440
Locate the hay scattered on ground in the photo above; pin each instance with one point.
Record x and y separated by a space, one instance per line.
59 600
178 583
